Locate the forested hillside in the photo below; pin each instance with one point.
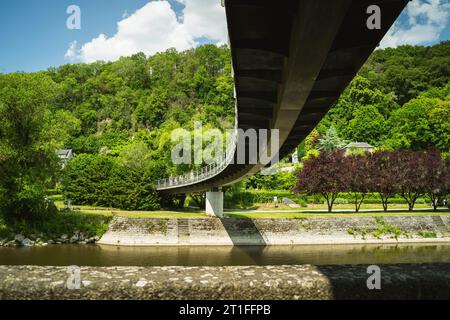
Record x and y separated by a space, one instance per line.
398 92
144 99
401 99
121 114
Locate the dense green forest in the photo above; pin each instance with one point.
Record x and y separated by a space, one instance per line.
120 116
400 100
138 101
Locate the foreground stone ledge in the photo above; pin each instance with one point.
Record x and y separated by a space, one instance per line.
403 281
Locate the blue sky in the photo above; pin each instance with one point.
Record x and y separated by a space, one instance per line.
34 36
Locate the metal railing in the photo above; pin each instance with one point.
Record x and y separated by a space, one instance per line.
204 173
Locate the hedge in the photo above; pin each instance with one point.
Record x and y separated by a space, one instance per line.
100 181
250 197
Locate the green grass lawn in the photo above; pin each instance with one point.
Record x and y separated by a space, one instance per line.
349 206
261 215
149 214
281 212
303 214
161 214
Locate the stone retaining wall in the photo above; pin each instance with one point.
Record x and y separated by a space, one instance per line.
240 231
423 281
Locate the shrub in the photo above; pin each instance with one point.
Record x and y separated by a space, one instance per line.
246 198
85 179
61 223
341 201
282 180
130 190
99 180
427 234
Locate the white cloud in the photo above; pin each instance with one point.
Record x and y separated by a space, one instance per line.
425 22
71 53
154 28
205 18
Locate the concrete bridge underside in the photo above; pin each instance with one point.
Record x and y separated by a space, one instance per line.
292 59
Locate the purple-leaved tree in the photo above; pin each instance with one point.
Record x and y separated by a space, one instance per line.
323 175
383 175
356 167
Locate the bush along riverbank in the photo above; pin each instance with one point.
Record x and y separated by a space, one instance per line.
62 228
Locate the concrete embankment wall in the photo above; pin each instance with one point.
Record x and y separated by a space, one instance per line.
422 281
240 231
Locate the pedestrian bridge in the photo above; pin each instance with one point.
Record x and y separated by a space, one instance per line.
291 61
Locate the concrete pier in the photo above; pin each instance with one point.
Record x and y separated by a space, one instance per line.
214 203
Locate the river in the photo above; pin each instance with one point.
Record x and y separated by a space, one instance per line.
102 255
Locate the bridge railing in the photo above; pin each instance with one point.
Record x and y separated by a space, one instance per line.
203 173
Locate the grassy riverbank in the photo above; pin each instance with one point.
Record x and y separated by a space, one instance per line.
269 211
260 214
314 214
93 221
63 223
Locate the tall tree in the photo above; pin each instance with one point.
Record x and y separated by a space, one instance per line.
437 176
411 168
28 145
331 141
356 167
383 175
410 126
323 175
368 125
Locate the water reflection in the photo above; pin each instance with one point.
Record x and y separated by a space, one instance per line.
102 255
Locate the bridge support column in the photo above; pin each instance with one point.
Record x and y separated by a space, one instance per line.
214 203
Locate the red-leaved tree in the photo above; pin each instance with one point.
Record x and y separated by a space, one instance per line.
411 173
437 177
383 175
356 168
323 175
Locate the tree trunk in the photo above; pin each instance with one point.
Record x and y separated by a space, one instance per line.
333 198
384 200
433 198
359 203
413 203
330 201
411 199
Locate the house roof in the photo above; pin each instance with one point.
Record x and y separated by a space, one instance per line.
358 145
64 152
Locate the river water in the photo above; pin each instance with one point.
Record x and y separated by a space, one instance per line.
101 255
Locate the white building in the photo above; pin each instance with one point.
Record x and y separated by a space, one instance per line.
358 146
65 155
